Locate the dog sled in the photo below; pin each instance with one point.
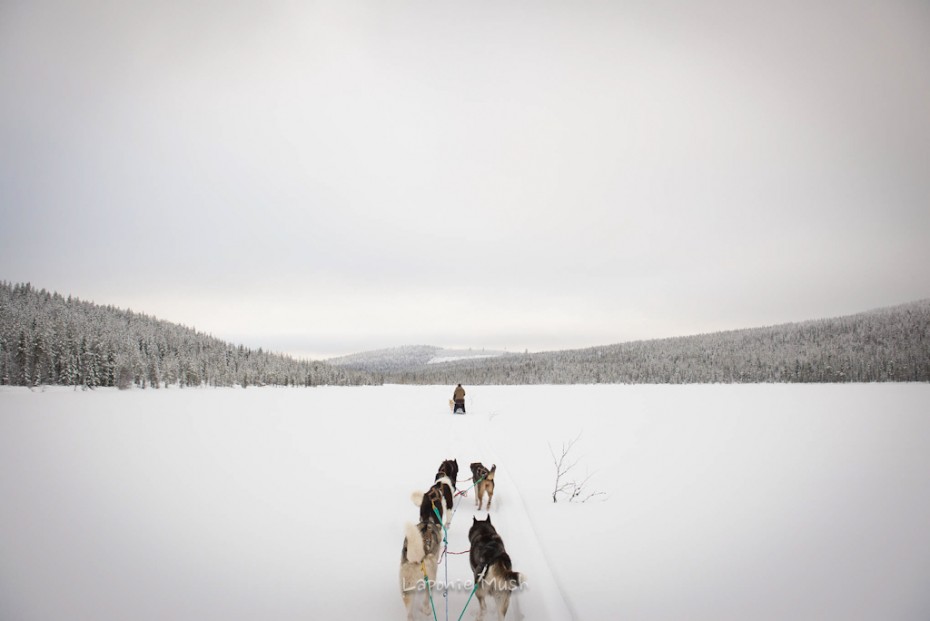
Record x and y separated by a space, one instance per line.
456 408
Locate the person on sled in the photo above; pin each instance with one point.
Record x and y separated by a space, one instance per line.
458 398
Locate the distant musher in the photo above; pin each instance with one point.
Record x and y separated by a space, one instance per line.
458 398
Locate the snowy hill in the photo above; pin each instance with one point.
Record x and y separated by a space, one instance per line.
408 358
454 355
387 360
888 344
46 338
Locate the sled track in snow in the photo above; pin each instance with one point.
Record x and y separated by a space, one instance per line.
466 438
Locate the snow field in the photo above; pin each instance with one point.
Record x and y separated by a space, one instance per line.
723 502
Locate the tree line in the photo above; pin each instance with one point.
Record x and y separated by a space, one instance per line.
46 338
887 345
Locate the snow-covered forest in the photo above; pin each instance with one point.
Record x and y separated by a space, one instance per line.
388 360
891 344
46 338
399 359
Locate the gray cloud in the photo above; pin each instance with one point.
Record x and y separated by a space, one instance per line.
533 175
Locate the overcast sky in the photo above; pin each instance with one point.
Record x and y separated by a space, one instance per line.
321 178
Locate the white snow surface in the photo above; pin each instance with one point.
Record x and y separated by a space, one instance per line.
748 502
454 355
441 359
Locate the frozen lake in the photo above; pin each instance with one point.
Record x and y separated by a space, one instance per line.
720 501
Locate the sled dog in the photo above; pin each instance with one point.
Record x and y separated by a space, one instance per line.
437 498
449 468
420 554
440 495
484 483
491 566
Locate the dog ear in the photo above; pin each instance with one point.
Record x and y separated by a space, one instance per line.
489 519
474 520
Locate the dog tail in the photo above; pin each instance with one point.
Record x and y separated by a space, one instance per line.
512 579
491 472
415 551
417 498
505 579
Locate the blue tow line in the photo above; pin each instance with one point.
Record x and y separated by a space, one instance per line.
477 582
462 495
445 543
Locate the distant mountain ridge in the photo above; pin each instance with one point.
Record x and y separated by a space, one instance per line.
48 339
405 358
887 344
387 360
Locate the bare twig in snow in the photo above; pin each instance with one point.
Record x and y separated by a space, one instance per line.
563 465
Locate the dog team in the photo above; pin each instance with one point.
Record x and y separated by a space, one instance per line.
490 563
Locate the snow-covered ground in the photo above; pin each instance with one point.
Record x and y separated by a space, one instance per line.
454 355
441 359
723 502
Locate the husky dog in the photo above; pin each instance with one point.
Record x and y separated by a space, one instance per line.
440 496
491 566
449 468
420 554
484 483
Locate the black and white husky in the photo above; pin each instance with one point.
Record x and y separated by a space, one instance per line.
420 554
439 497
491 566
449 468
